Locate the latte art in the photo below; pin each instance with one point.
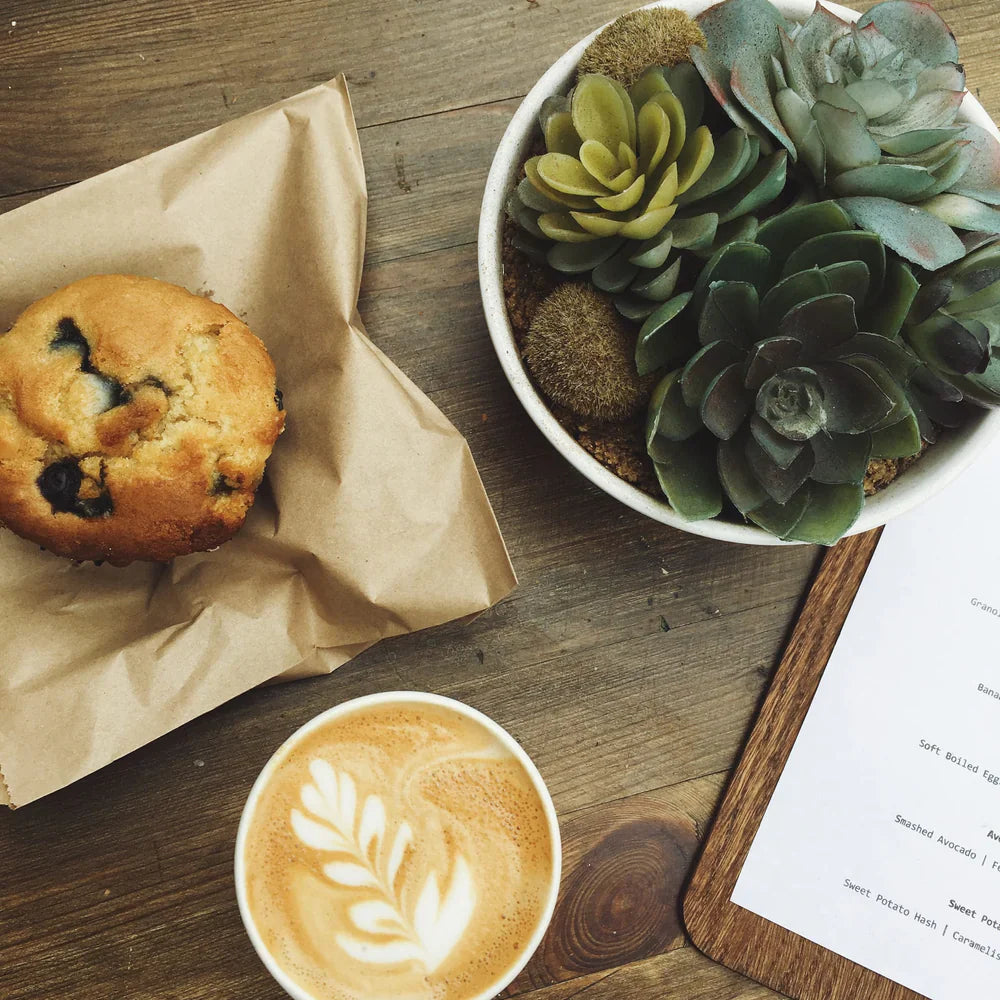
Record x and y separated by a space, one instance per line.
389 936
398 850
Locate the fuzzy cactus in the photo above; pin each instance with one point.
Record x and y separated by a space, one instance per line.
649 36
579 350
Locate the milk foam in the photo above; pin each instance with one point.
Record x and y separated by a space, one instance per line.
384 933
400 851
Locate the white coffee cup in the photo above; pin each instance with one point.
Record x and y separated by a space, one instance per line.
401 699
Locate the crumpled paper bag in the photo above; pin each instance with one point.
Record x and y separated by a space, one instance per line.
372 520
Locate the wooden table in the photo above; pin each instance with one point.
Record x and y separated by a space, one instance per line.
629 661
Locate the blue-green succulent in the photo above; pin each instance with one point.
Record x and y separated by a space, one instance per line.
868 113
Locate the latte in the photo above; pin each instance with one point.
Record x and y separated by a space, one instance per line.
399 846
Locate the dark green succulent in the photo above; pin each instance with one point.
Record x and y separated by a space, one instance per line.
787 376
631 176
868 112
954 325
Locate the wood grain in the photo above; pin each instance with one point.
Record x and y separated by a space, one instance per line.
629 661
623 866
90 84
682 974
738 938
145 73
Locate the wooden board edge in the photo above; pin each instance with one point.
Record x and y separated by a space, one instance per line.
719 928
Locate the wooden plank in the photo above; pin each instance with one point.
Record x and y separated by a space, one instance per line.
568 988
624 863
426 178
92 84
89 85
682 974
726 932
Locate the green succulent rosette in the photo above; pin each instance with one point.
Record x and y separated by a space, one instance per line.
867 111
954 325
628 177
787 375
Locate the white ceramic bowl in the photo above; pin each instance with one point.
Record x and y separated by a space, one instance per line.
941 464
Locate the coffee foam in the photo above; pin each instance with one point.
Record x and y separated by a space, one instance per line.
399 850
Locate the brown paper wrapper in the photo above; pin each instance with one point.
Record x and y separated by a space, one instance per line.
372 520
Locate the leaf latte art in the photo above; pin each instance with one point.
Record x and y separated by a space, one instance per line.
398 850
389 935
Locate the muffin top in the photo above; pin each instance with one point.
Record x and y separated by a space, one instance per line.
135 420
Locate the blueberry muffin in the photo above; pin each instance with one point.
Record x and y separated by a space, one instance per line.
135 421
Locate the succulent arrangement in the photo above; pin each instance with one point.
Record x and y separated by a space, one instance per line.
778 240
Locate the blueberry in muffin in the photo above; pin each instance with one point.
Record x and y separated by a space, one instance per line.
135 421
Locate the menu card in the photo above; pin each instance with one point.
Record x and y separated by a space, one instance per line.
882 839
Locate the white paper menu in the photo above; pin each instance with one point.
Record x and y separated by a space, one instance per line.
882 839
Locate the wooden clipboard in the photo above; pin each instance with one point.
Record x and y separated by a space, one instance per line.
719 928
